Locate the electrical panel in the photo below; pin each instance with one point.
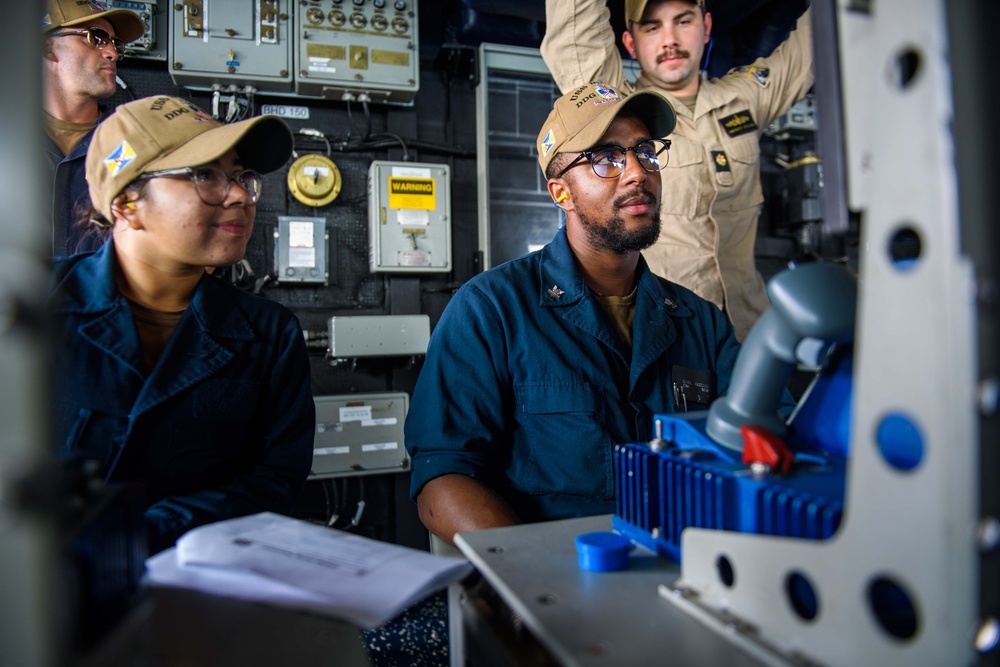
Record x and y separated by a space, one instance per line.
153 43
300 250
359 434
362 50
409 215
242 44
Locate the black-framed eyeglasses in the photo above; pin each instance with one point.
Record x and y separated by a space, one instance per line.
212 183
97 38
609 161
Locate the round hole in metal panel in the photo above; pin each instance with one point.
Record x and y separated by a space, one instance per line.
726 574
905 248
802 596
893 608
905 68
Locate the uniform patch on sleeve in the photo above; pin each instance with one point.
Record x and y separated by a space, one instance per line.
758 74
738 123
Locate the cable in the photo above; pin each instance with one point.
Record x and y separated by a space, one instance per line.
124 86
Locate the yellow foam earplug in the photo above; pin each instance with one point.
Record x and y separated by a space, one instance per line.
561 198
130 205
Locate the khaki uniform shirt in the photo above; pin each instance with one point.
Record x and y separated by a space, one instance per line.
711 187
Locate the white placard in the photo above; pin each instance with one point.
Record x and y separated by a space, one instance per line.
324 427
380 446
302 257
413 216
386 421
356 413
411 172
300 234
332 450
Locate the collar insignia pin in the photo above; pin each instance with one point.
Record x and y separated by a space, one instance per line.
669 302
555 292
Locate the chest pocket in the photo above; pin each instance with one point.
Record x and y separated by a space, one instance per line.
744 163
83 433
683 177
221 436
565 447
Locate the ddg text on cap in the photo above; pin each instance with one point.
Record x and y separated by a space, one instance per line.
162 132
581 117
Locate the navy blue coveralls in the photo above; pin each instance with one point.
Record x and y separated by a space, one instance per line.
221 427
528 387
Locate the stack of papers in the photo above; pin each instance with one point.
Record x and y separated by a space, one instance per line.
285 562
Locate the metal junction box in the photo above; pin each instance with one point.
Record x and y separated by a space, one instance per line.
409 216
300 250
241 43
359 434
362 50
353 336
152 45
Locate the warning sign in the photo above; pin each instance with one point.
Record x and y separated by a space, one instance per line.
415 193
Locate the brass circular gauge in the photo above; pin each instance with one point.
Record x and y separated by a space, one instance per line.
358 21
337 18
314 15
314 180
380 22
399 24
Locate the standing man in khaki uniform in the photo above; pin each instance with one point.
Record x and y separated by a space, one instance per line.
710 218
82 47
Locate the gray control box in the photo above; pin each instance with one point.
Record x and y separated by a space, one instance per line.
359 434
300 250
378 335
241 43
152 45
363 50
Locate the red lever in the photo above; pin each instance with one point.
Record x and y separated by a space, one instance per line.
762 446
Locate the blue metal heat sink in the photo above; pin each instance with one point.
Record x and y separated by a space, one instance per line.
696 483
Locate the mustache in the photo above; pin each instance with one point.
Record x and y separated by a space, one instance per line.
638 192
675 53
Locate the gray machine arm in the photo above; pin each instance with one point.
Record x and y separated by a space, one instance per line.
812 308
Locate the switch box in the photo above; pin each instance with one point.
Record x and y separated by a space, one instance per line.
364 50
409 216
236 43
152 45
359 434
300 250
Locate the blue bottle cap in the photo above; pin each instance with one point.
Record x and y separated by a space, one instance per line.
602 552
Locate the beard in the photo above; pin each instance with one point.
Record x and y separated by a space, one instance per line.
614 236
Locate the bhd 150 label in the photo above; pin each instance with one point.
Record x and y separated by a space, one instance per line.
285 111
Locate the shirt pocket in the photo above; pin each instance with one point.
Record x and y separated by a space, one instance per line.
682 179
744 161
222 436
566 446
69 423
81 433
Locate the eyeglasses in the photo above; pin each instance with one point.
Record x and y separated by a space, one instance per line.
212 183
609 161
97 38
